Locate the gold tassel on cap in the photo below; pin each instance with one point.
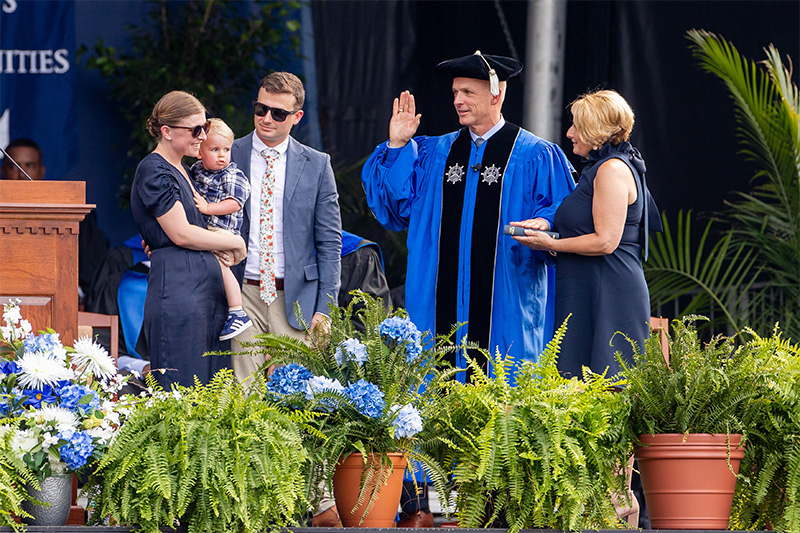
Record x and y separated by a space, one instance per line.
494 83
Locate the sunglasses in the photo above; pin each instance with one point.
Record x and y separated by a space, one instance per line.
196 130
278 115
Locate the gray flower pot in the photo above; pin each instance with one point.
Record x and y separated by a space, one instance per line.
57 491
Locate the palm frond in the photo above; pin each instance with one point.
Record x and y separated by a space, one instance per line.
717 282
767 218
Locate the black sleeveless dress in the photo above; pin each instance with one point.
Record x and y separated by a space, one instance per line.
605 294
185 306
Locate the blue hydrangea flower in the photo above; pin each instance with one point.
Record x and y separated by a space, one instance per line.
354 348
413 350
397 329
289 379
45 342
76 397
35 397
77 450
366 397
403 331
322 384
408 422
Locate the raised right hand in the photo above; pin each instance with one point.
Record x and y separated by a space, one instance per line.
404 122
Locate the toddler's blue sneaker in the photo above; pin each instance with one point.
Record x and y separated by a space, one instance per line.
237 322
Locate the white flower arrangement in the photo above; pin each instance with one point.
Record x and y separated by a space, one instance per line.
58 402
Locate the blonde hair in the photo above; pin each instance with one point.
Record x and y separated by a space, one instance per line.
170 109
602 117
218 126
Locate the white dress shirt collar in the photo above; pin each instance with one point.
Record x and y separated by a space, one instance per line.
494 129
259 146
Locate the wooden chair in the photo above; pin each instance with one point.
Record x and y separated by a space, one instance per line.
88 321
77 514
662 326
86 324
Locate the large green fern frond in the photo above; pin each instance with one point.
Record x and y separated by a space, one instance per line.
542 453
14 476
211 456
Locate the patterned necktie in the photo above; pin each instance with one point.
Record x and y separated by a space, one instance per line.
479 141
267 229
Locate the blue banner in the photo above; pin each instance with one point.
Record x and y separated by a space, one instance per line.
37 79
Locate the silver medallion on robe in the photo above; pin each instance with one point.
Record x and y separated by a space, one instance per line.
455 173
491 174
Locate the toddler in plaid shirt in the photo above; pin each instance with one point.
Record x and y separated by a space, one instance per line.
221 191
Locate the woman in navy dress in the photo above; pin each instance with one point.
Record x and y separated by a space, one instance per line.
185 306
599 276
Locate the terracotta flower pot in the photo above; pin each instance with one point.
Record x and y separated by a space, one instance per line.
687 483
346 484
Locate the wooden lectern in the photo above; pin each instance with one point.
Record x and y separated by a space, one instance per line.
39 259
39 251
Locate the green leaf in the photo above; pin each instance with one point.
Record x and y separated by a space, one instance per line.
216 457
764 222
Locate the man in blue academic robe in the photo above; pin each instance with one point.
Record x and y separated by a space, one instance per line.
454 193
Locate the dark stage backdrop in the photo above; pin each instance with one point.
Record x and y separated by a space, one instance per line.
685 123
367 52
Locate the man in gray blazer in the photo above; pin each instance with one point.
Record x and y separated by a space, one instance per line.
307 227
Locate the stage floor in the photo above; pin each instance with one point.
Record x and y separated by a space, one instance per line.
84 529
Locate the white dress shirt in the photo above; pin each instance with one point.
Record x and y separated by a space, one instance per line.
258 166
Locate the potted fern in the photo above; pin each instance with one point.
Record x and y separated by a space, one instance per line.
546 453
768 493
366 386
210 457
690 416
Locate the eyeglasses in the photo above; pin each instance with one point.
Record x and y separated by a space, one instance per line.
194 129
278 115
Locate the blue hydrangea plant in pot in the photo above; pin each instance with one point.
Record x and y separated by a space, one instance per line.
365 385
